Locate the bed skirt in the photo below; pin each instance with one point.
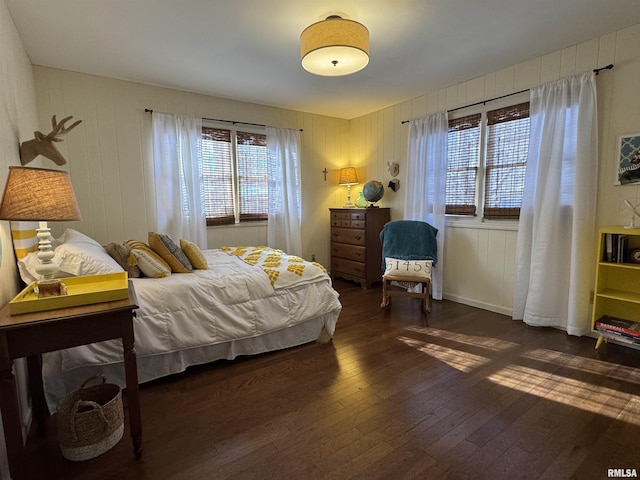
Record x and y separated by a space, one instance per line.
57 382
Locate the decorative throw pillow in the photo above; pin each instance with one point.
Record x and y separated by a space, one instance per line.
150 263
194 254
24 237
77 255
171 253
408 268
122 254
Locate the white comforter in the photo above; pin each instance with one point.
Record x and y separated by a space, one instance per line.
233 300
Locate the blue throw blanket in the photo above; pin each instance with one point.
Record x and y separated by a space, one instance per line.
409 240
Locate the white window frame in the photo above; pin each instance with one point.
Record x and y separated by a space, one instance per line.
234 128
478 220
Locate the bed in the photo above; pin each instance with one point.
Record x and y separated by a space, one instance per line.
249 300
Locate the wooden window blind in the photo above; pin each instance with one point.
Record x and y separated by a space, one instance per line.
217 177
252 175
507 149
463 146
234 180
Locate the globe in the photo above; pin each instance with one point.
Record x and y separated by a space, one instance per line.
373 191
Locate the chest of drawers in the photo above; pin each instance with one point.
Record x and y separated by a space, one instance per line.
356 252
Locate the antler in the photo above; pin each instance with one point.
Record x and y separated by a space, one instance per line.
58 128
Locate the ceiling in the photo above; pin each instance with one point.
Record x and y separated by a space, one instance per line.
249 49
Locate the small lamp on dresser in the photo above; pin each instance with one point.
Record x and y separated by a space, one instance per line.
348 177
42 195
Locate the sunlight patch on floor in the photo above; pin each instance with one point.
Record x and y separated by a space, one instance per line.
462 361
490 343
575 393
591 365
586 396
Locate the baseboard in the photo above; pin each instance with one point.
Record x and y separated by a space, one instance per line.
475 303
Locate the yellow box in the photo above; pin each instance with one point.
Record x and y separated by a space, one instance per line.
80 291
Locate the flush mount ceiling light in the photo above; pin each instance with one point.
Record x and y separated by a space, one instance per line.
334 46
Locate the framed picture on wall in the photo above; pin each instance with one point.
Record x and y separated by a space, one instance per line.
628 159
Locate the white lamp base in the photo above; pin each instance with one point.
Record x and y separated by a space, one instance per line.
349 204
48 285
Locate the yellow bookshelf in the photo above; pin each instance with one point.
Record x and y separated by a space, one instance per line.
617 288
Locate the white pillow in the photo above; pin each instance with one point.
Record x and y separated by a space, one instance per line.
77 255
408 268
73 236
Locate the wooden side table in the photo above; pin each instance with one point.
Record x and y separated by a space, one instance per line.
31 334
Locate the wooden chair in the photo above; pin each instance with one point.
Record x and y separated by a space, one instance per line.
409 251
389 290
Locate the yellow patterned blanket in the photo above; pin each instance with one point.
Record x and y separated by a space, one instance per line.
283 270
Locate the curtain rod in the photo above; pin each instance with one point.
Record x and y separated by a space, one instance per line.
233 122
483 102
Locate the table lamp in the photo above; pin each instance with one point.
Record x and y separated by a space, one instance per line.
42 195
348 177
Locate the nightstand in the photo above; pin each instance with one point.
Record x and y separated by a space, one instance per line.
31 334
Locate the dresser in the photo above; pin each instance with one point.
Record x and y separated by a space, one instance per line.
356 252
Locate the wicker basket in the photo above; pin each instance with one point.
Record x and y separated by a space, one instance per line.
90 420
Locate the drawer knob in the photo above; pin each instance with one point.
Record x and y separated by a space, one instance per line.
357 237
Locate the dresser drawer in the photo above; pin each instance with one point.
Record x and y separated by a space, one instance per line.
348 267
340 222
348 219
339 216
349 252
348 235
356 251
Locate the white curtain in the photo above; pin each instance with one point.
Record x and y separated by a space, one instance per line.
177 144
555 249
426 181
285 217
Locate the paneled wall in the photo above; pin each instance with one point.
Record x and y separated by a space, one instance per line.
110 154
479 258
17 120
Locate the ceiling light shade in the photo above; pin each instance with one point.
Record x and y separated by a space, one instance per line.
334 46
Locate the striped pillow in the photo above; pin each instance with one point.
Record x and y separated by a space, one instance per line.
24 237
164 246
149 262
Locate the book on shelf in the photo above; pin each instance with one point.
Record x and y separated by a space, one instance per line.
608 247
619 325
620 337
615 248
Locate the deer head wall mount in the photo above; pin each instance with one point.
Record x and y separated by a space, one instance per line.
45 144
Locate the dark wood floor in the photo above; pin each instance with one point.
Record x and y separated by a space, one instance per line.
466 394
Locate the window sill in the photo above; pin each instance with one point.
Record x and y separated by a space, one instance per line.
479 224
258 223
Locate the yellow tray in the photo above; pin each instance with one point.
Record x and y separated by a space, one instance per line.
80 291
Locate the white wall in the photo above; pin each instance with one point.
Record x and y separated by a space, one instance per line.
479 260
17 120
110 153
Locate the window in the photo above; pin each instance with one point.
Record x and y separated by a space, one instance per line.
487 155
234 175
